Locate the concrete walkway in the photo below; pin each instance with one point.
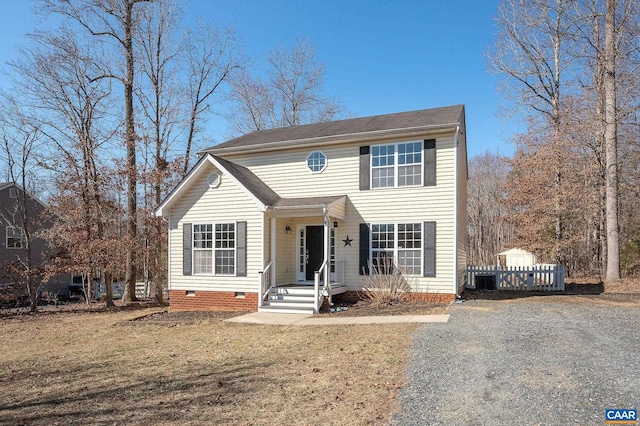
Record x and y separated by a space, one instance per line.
303 319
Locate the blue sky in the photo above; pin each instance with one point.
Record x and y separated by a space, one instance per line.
380 56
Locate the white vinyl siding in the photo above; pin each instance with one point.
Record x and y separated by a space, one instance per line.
226 204
392 205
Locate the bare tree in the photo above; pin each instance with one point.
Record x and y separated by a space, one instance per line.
211 58
72 112
489 229
290 96
531 50
20 137
114 21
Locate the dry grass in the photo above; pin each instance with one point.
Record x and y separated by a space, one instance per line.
101 368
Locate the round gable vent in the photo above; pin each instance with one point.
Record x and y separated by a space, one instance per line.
213 179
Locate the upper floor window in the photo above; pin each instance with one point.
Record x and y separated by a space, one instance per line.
15 235
317 162
214 248
398 164
13 193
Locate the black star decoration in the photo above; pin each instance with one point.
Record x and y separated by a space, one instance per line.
347 241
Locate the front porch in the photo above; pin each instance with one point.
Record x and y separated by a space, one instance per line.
303 267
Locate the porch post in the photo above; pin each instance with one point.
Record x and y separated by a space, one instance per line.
273 252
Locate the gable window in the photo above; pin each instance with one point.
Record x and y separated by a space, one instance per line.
397 245
317 162
14 236
13 193
396 165
214 248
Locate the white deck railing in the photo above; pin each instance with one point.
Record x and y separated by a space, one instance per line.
542 277
264 284
316 286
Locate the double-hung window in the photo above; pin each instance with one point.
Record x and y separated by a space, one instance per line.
397 245
214 248
398 164
14 236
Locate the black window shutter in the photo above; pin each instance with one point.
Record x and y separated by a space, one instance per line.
187 234
429 249
365 168
241 249
430 162
364 249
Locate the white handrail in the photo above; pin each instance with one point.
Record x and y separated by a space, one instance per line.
316 286
264 284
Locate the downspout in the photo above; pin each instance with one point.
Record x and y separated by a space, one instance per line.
168 220
327 252
456 213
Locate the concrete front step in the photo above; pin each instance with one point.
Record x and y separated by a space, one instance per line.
286 310
292 297
308 290
289 303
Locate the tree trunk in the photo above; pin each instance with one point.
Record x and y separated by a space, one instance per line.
108 282
611 143
131 270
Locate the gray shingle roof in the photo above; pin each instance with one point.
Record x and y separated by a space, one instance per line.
265 194
425 118
257 187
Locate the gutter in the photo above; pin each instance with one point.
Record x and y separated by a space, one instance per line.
455 209
331 139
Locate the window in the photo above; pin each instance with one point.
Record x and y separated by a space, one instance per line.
214 249
397 245
213 179
14 236
13 193
317 162
396 165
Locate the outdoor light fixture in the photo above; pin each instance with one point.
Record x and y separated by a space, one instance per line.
287 229
335 223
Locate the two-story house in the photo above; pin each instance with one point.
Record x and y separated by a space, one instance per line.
284 218
14 202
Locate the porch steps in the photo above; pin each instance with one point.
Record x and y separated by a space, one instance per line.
292 299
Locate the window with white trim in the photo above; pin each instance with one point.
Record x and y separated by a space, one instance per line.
13 193
317 162
15 236
398 245
214 248
395 165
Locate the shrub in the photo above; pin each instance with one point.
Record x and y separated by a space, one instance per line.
386 284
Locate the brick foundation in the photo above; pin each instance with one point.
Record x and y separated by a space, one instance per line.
353 296
181 300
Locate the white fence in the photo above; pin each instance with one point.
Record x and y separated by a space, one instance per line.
536 278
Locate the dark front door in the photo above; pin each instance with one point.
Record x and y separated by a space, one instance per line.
315 255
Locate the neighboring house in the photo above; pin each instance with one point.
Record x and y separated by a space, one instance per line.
516 258
277 219
12 236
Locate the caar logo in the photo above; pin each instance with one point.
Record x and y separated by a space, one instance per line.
617 416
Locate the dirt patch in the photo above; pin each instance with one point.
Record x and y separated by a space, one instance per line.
187 317
366 308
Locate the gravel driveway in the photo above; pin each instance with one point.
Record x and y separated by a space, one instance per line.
533 361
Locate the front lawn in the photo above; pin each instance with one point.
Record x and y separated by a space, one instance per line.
102 368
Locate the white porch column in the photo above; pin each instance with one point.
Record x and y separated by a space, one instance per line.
273 251
327 248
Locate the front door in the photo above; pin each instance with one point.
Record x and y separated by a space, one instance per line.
314 242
